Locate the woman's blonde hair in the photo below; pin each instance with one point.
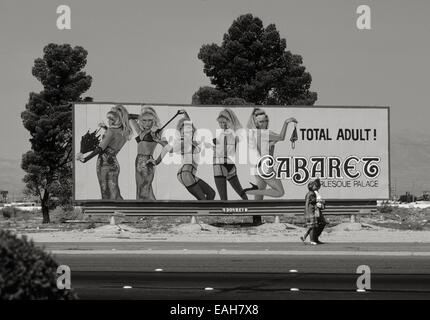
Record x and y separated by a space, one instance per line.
151 111
252 124
228 114
122 112
181 123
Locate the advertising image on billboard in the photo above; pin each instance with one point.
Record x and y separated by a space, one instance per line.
176 152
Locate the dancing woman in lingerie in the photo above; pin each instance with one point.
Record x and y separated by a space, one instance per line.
224 149
190 157
259 121
117 133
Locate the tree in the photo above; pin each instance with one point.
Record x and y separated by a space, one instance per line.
27 272
48 118
253 64
208 95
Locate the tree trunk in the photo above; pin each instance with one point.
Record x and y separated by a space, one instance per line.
45 208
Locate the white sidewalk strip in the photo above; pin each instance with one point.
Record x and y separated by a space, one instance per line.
243 252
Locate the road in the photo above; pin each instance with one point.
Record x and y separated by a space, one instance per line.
218 271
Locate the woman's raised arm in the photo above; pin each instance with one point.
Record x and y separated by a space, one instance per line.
275 137
132 118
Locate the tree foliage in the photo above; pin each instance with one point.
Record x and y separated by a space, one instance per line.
48 118
27 272
208 95
253 64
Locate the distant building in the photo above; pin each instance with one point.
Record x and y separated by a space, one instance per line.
407 198
3 196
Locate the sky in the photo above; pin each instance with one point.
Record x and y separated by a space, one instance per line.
146 51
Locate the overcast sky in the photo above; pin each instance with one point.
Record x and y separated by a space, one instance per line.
146 51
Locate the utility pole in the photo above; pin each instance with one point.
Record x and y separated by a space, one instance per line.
394 191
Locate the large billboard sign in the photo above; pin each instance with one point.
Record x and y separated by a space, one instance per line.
189 152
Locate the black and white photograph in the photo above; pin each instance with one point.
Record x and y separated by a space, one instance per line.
214 159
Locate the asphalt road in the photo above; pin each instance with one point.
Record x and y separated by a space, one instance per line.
238 246
247 286
228 271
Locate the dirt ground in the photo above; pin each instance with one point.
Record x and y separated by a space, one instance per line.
387 217
389 224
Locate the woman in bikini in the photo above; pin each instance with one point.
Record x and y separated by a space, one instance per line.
190 158
259 121
224 149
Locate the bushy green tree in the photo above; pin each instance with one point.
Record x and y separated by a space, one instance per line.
48 118
253 64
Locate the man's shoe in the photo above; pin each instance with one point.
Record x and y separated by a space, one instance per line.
314 243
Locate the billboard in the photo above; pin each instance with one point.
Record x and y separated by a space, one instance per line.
187 152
